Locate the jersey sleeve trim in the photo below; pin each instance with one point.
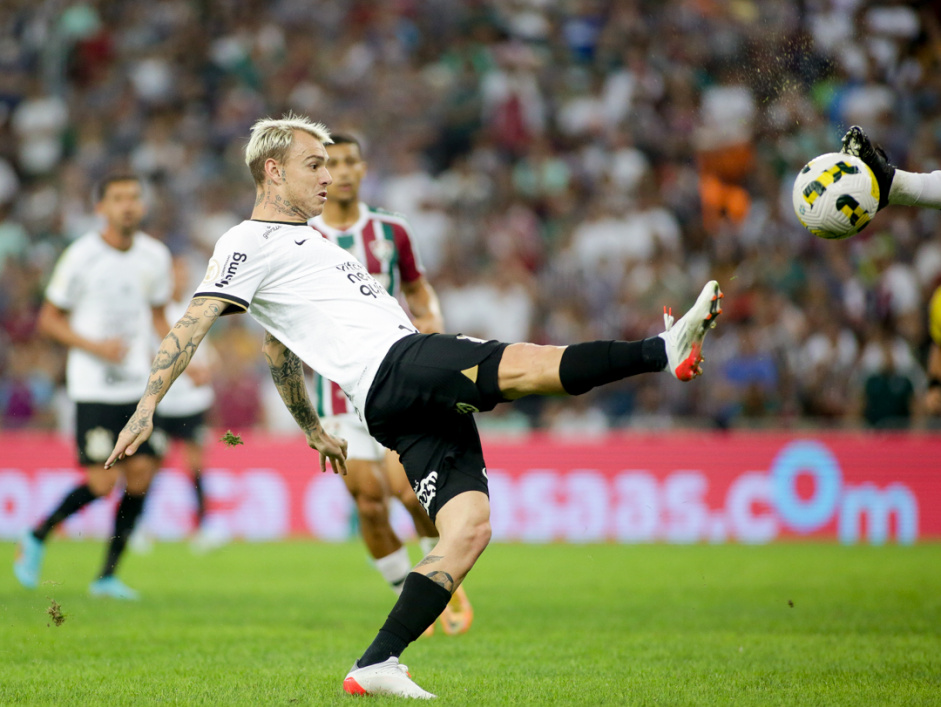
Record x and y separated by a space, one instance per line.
236 305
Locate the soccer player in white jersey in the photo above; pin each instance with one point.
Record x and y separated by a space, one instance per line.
182 412
415 391
104 302
382 241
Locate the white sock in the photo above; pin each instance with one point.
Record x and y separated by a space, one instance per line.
916 189
394 568
427 545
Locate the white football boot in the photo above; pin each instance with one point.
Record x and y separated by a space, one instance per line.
387 678
684 338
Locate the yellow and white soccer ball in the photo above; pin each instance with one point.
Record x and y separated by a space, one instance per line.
835 195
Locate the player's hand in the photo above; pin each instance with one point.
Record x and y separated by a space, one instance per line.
111 350
331 448
137 430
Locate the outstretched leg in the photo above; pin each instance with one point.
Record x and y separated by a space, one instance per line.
530 369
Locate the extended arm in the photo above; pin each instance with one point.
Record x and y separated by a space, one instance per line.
176 350
287 372
423 304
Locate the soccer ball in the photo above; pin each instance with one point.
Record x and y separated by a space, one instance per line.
835 196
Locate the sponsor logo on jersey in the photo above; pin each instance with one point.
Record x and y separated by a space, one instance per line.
465 408
300 242
426 490
230 267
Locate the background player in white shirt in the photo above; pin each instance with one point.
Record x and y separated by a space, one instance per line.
105 301
414 391
383 242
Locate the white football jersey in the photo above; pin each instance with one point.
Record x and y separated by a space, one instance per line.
315 297
110 293
186 398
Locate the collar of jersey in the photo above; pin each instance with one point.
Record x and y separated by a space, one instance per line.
283 223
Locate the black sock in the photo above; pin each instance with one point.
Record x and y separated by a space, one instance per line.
77 499
129 510
419 604
593 363
200 497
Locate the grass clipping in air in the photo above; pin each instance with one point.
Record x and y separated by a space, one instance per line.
231 440
55 612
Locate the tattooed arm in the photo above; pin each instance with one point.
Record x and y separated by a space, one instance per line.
176 350
287 372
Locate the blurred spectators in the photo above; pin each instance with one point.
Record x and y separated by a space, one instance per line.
569 168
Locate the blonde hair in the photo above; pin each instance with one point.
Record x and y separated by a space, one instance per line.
272 138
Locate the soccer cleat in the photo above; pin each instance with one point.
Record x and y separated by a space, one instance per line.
387 678
113 588
28 561
458 614
684 338
858 144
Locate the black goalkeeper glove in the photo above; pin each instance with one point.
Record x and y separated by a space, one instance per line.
858 144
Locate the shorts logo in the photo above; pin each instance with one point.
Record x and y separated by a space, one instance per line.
465 408
426 490
98 443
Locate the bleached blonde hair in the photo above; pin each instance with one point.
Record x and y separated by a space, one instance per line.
272 138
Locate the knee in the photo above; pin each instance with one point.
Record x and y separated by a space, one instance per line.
372 510
101 486
475 536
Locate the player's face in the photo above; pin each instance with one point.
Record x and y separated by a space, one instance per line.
348 169
122 206
305 174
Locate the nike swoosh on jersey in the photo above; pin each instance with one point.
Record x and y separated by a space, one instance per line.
302 242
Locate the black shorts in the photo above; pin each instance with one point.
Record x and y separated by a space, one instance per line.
420 405
97 426
188 428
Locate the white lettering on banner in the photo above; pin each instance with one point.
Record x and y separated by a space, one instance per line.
170 507
585 516
637 507
747 525
14 502
502 521
327 508
685 512
264 512
536 493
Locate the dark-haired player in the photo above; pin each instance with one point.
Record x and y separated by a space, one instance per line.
104 301
383 242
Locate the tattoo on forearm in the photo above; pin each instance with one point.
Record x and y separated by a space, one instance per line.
287 372
442 579
174 356
429 560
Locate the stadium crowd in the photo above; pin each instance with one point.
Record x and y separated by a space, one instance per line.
568 166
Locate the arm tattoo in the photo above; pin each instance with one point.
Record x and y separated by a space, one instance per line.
429 560
287 372
179 345
443 580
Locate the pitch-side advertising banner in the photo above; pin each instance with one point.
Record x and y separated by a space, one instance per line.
665 487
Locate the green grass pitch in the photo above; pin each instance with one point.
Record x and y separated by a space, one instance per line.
280 624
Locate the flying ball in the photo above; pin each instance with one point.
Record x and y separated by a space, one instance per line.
835 196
